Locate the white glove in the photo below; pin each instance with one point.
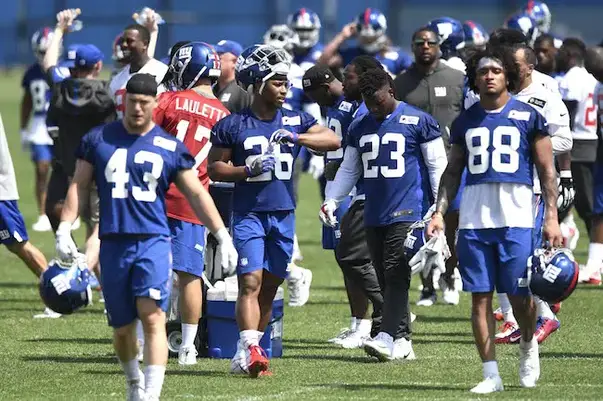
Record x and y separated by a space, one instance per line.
317 166
226 252
327 213
65 247
432 256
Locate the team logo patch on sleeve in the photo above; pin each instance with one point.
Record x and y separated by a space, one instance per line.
519 115
345 106
537 102
292 120
410 120
164 143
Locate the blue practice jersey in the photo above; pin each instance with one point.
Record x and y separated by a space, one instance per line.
498 146
35 82
392 158
394 60
247 137
132 174
308 58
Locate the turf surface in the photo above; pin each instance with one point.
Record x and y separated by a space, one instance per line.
72 358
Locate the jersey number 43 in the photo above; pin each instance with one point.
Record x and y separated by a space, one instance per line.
116 173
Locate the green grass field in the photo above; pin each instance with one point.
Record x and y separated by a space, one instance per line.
72 358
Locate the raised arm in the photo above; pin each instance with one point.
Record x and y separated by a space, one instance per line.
330 54
320 138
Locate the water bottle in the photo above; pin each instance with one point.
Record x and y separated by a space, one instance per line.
141 17
76 25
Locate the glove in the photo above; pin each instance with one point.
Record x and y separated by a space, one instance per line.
327 213
566 191
65 247
432 256
226 252
317 166
260 165
24 140
282 136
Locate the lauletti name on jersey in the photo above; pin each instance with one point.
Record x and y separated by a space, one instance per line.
201 109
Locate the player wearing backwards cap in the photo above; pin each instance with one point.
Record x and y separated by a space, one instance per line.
135 43
226 88
189 114
498 141
370 30
347 237
256 148
134 162
388 148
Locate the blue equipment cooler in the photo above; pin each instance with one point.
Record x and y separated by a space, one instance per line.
222 329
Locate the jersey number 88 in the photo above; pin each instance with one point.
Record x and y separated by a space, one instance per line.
503 157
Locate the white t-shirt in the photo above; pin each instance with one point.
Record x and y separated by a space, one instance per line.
578 85
8 182
456 63
119 81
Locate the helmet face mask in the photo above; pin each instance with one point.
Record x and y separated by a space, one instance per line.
282 37
306 24
259 63
371 27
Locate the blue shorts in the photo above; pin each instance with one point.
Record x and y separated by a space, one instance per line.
598 188
538 222
264 240
12 225
188 246
41 153
495 258
134 266
455 205
330 236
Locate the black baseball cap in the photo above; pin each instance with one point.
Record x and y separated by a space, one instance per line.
317 76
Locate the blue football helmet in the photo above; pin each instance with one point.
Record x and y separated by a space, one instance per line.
525 24
191 62
554 274
65 288
258 63
540 12
306 24
475 34
451 33
371 26
281 36
40 42
415 238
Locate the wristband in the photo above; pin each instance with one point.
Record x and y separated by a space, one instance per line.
565 174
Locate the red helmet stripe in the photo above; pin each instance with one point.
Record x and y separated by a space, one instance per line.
367 16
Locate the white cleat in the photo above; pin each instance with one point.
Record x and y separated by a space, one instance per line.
356 339
488 385
42 225
48 314
187 356
341 336
529 364
403 350
135 391
299 289
427 299
238 363
450 295
381 347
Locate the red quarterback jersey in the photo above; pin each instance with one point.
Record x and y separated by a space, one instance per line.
190 117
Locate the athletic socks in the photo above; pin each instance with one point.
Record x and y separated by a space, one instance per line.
154 375
189 332
490 369
249 337
505 306
131 370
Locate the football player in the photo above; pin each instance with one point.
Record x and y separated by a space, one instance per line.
369 29
135 42
476 37
498 140
306 24
34 133
347 238
133 162
551 107
525 24
452 40
389 147
577 88
546 53
117 55
256 149
189 114
540 13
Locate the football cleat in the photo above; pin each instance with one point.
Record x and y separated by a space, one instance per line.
509 334
545 327
450 294
380 347
570 233
257 362
356 339
529 364
42 224
238 363
47 314
403 350
588 276
555 308
428 298
187 356
488 385
299 288
342 335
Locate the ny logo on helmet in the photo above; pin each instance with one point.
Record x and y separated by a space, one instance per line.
185 53
60 283
551 273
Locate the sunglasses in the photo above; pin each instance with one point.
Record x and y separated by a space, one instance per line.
431 43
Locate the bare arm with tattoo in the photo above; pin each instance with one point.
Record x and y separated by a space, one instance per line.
542 149
449 186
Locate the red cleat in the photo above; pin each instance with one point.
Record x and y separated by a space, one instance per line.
508 334
258 362
555 308
545 327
